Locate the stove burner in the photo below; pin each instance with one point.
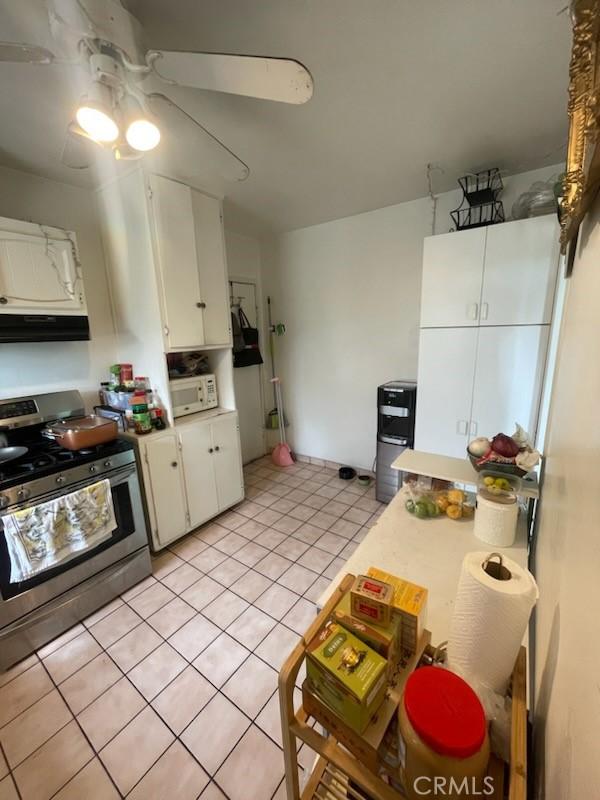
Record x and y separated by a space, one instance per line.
65 455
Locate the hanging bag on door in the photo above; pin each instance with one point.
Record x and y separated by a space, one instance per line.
250 356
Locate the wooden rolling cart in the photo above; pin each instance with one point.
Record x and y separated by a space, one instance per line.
340 775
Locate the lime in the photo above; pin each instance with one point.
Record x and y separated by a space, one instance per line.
421 510
431 508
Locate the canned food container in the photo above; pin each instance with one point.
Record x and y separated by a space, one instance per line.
444 741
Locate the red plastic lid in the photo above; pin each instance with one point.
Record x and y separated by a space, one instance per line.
445 712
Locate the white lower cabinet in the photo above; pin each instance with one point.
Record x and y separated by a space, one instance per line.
163 476
191 473
199 472
227 460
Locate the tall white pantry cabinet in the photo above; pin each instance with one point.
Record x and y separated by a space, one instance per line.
167 268
486 308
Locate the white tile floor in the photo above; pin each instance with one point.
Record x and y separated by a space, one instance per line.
170 690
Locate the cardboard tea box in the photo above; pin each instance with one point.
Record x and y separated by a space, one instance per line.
346 674
384 640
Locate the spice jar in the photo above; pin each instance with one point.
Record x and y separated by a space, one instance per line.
444 743
141 419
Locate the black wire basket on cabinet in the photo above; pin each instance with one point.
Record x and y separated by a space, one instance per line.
480 205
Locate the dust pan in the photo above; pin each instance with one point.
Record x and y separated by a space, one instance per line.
281 455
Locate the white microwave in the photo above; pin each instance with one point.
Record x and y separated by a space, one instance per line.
189 395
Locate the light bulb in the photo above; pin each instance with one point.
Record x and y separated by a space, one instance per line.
142 135
94 114
96 123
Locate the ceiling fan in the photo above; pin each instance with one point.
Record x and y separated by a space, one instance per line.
117 112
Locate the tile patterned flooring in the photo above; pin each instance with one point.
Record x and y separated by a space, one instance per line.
170 690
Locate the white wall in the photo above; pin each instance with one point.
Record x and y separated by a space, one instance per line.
349 294
567 560
49 366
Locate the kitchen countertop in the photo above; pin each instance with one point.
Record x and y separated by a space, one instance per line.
428 552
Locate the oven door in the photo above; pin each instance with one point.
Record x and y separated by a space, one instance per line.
20 598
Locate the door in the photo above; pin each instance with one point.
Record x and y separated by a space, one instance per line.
227 460
445 389
168 499
452 274
247 380
212 268
519 278
508 379
175 246
39 273
198 469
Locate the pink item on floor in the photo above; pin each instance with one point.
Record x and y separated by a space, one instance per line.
281 455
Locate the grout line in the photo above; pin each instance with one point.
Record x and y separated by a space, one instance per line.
189 663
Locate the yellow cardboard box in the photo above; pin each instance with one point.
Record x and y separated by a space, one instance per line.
409 605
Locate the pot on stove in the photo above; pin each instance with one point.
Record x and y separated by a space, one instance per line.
82 432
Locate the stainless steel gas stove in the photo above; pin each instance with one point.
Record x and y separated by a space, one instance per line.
34 611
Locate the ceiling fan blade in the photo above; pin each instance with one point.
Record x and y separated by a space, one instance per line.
78 148
280 79
221 158
25 53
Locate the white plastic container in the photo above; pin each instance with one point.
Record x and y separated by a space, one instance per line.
496 520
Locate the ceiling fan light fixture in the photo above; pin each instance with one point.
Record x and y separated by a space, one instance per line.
94 114
142 134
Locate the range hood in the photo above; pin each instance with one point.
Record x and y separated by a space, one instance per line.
43 328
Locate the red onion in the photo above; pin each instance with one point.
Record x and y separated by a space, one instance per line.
505 445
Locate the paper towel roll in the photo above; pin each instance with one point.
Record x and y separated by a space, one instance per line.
495 523
489 620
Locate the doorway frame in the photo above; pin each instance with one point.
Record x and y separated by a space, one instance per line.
262 340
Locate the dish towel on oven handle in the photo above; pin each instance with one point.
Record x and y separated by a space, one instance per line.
43 536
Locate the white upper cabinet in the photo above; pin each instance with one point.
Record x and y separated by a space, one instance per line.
192 269
452 275
212 268
445 389
39 270
497 275
508 379
519 277
175 247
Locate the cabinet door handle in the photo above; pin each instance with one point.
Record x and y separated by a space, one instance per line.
462 426
473 309
200 305
210 450
173 463
473 428
217 448
484 310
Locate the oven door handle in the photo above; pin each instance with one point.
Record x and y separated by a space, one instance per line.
115 479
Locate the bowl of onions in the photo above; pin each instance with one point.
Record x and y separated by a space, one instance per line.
512 455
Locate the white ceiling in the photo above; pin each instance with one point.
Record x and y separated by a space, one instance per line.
398 83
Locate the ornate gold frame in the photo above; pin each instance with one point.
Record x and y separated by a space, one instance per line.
582 177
